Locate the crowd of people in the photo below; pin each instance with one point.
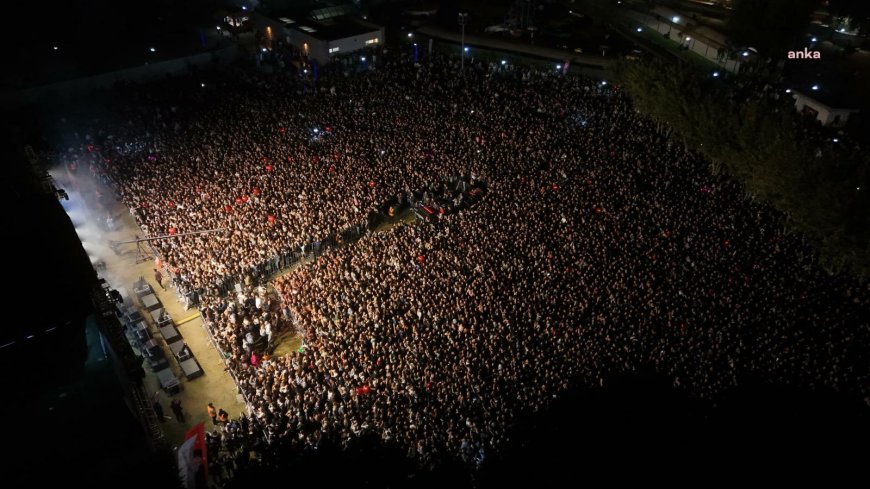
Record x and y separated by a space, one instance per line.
601 247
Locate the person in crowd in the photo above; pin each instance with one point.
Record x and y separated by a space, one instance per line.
177 409
212 413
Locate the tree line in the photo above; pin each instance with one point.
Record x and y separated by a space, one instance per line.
778 155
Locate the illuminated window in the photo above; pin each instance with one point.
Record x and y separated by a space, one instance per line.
372 41
333 50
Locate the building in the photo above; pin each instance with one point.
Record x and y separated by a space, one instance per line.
322 40
826 114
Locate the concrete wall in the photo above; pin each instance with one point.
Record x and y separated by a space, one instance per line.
826 115
280 32
351 44
81 86
317 50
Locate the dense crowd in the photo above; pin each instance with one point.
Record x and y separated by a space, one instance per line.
601 247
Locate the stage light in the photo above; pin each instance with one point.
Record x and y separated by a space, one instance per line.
639 29
202 85
815 39
558 67
152 49
675 19
218 27
788 90
363 58
745 53
715 74
55 48
836 140
410 34
815 87
688 38
466 49
503 62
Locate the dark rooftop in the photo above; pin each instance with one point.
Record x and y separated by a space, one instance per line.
339 28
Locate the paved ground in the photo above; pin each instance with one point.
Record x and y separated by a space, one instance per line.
121 271
88 215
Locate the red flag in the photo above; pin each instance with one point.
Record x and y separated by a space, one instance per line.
193 458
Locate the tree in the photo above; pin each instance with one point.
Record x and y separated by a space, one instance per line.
849 8
826 197
770 26
857 10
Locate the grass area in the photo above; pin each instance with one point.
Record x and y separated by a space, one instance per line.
287 342
672 47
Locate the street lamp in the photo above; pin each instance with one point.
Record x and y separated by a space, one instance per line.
463 18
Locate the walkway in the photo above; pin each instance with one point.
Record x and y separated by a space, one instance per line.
121 271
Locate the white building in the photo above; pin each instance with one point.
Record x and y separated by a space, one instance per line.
321 41
824 113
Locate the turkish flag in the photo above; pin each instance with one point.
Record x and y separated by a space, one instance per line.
193 457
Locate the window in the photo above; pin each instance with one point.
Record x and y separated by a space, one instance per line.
333 50
372 41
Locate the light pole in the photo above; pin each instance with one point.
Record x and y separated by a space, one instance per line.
462 18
